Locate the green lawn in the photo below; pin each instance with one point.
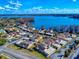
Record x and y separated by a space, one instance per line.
4 57
39 55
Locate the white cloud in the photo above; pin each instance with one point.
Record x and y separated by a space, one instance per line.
39 7
74 0
11 6
2 8
41 10
56 8
8 7
17 3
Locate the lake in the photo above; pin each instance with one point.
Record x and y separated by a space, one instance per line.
50 21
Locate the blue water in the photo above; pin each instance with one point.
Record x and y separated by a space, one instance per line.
50 21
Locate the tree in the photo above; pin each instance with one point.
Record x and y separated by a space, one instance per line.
2 41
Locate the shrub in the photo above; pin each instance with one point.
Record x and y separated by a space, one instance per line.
2 41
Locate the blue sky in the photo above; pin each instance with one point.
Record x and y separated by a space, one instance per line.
38 6
52 3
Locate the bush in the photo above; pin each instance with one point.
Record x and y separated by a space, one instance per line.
2 41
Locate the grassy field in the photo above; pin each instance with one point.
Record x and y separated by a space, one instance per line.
39 55
25 51
3 56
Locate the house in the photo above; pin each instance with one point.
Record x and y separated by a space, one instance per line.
40 48
57 45
21 44
45 50
39 38
20 41
77 38
62 42
22 33
50 51
49 32
74 35
31 45
69 39
62 36
42 31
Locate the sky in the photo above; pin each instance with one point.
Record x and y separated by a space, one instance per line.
38 6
